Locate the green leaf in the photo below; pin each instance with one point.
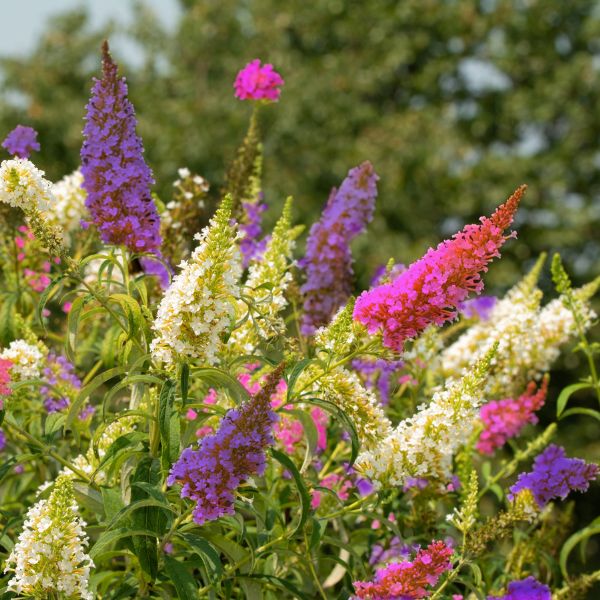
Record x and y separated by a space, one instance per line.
73 325
39 309
89 389
346 421
88 497
183 581
592 529
581 411
169 426
566 393
205 550
112 501
54 421
217 378
310 432
184 382
132 311
288 464
294 374
7 318
107 538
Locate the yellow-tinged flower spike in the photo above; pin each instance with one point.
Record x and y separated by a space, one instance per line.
50 556
22 185
344 389
529 337
424 444
200 305
341 333
265 287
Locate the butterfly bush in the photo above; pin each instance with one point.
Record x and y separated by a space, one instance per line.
191 406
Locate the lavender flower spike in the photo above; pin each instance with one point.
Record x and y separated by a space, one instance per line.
328 260
211 474
116 177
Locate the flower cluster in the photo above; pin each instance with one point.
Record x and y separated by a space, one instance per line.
26 360
526 589
21 141
62 383
23 186
431 288
258 82
264 290
424 444
554 476
201 302
504 419
68 210
328 260
528 337
115 175
408 579
50 556
225 459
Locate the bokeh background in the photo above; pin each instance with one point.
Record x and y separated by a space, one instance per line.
456 103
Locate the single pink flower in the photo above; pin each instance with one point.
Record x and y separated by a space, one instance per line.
191 414
256 82
66 307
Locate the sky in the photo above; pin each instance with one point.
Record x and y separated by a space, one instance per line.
24 20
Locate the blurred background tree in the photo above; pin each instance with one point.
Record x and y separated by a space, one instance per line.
455 103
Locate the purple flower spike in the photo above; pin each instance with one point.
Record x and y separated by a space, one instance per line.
328 260
526 589
116 177
554 476
225 459
21 141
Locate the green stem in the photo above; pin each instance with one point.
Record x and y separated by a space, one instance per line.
449 579
243 561
47 450
311 568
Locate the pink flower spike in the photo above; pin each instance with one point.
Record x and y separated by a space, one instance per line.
256 82
432 288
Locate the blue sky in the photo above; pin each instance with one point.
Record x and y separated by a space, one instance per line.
23 20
